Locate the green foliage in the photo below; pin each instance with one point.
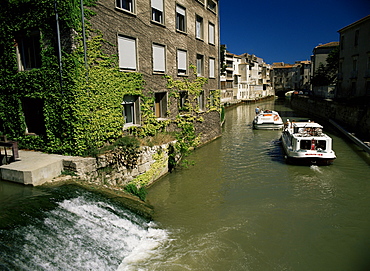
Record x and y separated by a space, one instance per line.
132 189
82 105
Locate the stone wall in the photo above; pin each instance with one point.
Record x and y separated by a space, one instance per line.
152 164
355 118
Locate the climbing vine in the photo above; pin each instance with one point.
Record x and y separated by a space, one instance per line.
81 104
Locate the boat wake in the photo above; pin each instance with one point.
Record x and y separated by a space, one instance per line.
315 168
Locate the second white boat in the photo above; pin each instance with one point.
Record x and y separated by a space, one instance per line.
268 120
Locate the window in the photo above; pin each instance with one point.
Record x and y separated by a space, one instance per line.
160 104
157 11
211 67
200 65
200 100
199 27
183 100
28 50
159 58
211 33
125 4
211 5
357 32
181 62
354 64
127 53
131 109
180 18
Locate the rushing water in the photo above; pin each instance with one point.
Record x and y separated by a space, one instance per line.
240 207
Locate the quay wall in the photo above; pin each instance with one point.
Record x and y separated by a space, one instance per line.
152 163
355 119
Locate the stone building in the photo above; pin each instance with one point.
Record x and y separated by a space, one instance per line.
354 60
282 77
52 99
162 37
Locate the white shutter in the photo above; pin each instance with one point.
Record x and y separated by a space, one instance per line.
211 33
127 53
157 4
180 10
181 60
211 67
159 58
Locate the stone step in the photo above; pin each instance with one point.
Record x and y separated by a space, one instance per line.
34 168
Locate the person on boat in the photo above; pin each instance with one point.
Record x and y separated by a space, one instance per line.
257 110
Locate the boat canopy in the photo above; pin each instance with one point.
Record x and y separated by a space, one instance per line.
306 125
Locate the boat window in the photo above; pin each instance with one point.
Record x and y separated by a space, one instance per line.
305 144
321 144
318 145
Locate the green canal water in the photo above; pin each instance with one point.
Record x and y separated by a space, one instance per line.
240 207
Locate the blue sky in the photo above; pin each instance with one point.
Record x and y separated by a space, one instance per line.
288 30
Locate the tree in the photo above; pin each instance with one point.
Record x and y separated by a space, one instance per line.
326 75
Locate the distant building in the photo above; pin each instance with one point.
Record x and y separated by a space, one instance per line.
282 77
247 77
354 60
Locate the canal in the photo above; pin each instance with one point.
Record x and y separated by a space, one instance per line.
240 207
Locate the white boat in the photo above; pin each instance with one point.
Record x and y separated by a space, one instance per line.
305 143
268 120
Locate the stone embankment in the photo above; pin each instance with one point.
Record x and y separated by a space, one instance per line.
152 163
355 119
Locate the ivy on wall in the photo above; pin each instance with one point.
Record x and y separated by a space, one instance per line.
82 106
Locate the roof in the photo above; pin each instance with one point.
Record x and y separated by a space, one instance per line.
330 44
355 23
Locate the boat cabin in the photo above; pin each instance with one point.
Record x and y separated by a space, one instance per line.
309 136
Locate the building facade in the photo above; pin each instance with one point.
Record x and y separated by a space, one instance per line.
354 60
130 67
247 77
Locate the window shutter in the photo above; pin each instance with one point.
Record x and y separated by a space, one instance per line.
157 4
180 10
212 67
181 58
159 63
127 53
211 33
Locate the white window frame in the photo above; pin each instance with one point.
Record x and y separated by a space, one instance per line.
200 100
211 33
157 11
127 53
180 18
131 5
200 65
159 58
28 51
212 5
182 62
199 27
212 63
131 108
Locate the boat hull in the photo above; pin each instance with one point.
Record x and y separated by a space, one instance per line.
268 120
267 126
306 157
309 161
